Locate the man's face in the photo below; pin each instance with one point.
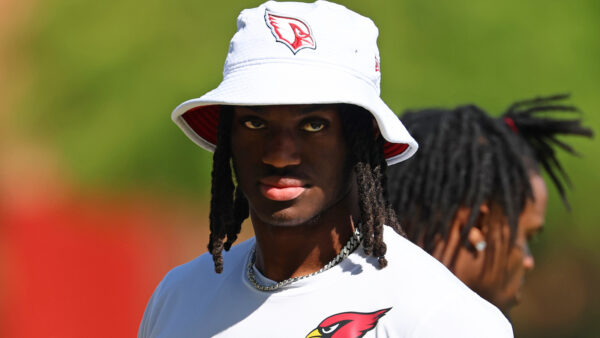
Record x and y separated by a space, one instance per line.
290 161
502 281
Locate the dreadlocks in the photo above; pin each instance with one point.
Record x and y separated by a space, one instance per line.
467 158
370 168
229 207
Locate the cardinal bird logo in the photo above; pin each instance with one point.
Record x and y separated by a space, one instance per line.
348 325
292 32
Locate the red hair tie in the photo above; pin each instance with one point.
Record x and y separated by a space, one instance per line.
511 124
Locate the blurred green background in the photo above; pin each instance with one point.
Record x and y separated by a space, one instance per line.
91 84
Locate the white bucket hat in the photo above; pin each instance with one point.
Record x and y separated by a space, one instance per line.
299 53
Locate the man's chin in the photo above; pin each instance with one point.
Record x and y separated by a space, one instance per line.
288 217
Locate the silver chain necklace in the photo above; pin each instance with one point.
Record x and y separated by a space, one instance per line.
350 246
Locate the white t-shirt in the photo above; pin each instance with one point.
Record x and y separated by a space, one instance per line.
414 296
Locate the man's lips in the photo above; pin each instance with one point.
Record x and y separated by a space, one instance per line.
279 188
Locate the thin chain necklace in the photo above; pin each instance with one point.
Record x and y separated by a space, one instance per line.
350 246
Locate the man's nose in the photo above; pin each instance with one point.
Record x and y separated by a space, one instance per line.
281 149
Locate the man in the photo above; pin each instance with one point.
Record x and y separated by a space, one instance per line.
474 196
299 122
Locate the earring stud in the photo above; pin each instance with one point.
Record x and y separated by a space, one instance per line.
480 246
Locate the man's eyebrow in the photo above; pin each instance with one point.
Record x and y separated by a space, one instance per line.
256 109
312 107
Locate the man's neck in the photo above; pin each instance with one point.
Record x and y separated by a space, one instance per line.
284 252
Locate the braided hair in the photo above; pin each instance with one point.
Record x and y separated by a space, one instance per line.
467 158
229 206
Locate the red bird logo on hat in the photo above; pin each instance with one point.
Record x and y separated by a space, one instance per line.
292 32
347 325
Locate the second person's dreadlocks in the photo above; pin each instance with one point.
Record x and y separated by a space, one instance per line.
467 158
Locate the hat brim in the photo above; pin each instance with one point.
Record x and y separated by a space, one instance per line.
278 83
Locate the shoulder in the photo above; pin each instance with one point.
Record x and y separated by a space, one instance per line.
190 284
465 317
442 301
417 265
200 271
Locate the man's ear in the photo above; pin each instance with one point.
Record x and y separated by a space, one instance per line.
476 235
447 250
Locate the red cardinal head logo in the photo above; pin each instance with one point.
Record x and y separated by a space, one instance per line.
347 325
292 32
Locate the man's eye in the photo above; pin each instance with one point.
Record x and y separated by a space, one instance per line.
313 126
254 124
532 239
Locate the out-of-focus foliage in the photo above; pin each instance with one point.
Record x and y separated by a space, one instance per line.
107 74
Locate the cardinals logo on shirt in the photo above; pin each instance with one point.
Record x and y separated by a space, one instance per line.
292 32
347 325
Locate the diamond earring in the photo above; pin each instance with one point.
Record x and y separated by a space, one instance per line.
480 246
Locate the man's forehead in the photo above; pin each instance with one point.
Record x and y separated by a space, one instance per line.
299 109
